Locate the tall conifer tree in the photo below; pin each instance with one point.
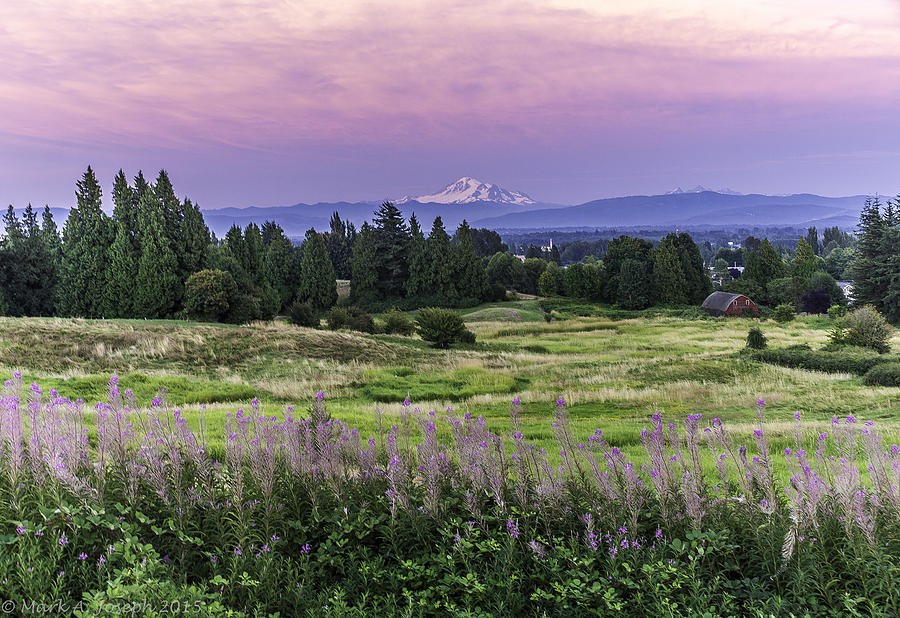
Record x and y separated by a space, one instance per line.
157 282
441 276
85 243
317 282
669 281
417 283
392 246
124 255
363 274
471 280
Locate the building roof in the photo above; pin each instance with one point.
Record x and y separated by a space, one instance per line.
719 300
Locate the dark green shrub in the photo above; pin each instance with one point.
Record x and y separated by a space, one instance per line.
841 360
302 314
885 374
337 318
756 340
396 323
243 309
864 327
784 313
467 337
359 320
441 327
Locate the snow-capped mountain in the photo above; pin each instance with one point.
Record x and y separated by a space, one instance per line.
467 190
701 189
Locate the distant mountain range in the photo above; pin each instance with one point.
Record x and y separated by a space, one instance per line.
488 205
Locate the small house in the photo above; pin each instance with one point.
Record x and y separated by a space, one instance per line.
725 303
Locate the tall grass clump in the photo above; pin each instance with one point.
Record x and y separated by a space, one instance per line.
438 513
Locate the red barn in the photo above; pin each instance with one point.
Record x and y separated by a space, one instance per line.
725 303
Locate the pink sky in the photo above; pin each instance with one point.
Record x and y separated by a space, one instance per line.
275 102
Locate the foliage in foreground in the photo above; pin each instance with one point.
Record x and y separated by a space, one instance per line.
304 517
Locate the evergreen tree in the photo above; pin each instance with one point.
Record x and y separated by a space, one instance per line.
533 252
698 283
471 280
804 264
124 252
869 286
812 239
889 273
195 237
280 263
440 271
233 247
317 282
85 243
363 274
554 255
417 283
253 253
173 218
157 281
392 247
764 264
669 282
339 243
50 240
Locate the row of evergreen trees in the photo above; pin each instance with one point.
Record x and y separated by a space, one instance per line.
393 262
137 262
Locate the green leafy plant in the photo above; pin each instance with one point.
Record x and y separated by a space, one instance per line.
784 313
886 374
441 327
396 323
864 327
756 340
336 318
302 314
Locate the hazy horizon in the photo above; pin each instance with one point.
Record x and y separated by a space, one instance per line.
267 103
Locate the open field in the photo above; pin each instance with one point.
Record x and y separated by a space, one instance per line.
614 373
107 508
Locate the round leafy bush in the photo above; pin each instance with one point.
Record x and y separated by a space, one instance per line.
337 318
396 323
837 311
864 327
441 327
302 314
756 340
784 313
209 294
885 374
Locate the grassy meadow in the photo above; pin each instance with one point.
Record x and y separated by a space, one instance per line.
614 370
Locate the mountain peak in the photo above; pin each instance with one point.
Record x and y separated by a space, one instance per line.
467 190
701 189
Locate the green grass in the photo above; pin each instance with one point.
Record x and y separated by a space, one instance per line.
614 368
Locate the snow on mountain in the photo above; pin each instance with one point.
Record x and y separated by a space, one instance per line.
701 189
467 190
